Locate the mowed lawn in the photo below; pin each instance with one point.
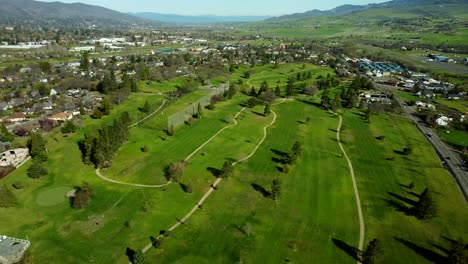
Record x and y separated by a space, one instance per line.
119 216
382 175
317 202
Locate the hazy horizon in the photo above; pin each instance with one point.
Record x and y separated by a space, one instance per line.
212 7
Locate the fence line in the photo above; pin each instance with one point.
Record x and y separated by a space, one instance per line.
180 117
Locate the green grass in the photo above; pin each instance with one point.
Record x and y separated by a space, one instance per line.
316 205
454 137
459 105
53 196
317 196
381 180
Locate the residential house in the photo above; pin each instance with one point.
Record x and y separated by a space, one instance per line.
29 111
61 117
53 92
16 117
3 106
443 121
453 96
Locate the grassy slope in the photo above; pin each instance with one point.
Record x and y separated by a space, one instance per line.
299 227
365 24
379 178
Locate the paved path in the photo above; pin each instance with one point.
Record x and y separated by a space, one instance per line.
216 183
150 115
98 172
356 192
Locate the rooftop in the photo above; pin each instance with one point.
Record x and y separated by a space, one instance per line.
12 249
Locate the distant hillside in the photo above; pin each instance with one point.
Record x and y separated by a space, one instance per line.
434 23
347 9
180 19
61 14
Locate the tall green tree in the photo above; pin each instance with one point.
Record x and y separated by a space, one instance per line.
7 198
297 148
37 146
5 135
458 253
290 87
82 196
267 109
199 113
84 61
426 207
337 102
278 91
227 169
139 257
275 189
373 251
105 107
37 170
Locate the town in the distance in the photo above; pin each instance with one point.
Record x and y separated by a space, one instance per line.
338 134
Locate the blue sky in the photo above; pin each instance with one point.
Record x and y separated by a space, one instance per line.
220 7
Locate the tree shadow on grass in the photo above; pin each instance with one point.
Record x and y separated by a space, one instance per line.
261 190
360 114
350 250
403 199
130 254
279 152
417 195
422 251
399 206
258 113
441 248
214 171
183 187
311 103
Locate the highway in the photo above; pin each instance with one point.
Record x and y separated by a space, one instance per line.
452 160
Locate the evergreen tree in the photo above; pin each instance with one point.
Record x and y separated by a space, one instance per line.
199 113
105 107
297 148
82 196
337 102
275 189
426 207
189 188
171 131
458 253
5 135
7 198
97 114
139 257
227 169
146 108
373 252
253 92
36 170
325 101
68 127
290 87
267 109
84 62
37 147
278 91
133 87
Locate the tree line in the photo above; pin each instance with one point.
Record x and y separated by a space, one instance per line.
99 146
